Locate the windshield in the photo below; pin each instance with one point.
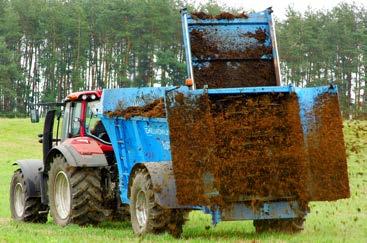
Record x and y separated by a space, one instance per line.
93 124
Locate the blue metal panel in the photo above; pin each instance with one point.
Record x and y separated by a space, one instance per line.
244 211
269 210
307 98
253 90
126 97
136 140
229 91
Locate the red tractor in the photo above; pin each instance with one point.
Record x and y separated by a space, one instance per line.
77 180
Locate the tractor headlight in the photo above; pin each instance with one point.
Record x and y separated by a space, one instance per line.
84 97
93 96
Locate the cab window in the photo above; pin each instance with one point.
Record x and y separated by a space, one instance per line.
76 109
94 126
93 109
66 122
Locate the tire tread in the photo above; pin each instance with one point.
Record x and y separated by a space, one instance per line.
86 194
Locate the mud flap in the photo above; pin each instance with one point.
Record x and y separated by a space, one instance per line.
32 170
163 184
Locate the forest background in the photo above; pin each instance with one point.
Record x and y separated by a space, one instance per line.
49 48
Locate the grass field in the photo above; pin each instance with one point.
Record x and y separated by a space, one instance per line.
345 220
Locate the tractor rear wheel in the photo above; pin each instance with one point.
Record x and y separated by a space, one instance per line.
146 215
22 206
279 225
75 194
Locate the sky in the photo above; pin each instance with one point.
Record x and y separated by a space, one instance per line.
280 6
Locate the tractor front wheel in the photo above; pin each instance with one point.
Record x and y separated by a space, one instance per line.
22 206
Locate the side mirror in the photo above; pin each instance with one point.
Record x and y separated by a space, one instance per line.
35 118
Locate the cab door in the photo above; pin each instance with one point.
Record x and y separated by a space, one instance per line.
72 120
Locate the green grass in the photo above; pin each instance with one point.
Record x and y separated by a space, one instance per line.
344 220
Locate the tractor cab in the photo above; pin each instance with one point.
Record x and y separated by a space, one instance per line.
81 118
82 131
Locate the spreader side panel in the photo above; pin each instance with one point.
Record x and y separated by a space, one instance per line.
324 143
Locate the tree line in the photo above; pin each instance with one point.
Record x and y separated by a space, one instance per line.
49 48
319 47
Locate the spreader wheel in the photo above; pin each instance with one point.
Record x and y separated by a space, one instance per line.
146 215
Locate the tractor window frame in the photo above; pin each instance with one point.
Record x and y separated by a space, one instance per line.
66 122
75 119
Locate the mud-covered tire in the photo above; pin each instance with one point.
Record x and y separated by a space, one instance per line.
156 219
279 225
23 207
79 201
